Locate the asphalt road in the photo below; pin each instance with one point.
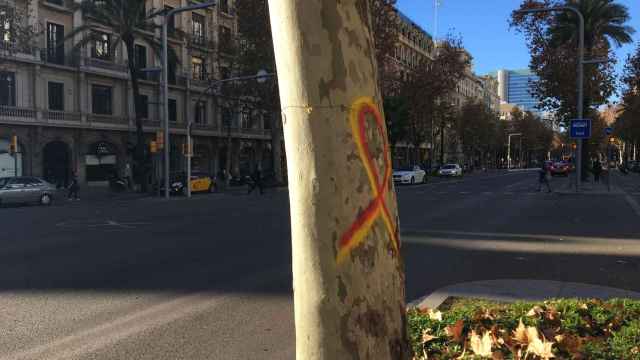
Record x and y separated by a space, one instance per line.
210 278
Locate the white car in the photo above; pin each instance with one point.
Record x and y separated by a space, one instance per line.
450 170
410 175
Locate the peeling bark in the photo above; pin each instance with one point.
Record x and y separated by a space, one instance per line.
349 300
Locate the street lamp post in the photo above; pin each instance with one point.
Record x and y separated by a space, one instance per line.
165 84
509 149
580 84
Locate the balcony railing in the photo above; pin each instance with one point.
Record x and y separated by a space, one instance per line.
200 41
17 113
252 131
105 64
8 48
67 4
108 119
53 115
205 126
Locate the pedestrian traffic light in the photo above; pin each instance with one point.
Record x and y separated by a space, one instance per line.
13 146
185 150
153 147
612 140
574 146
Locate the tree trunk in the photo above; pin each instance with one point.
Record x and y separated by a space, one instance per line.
348 275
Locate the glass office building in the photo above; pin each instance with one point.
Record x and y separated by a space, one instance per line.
515 87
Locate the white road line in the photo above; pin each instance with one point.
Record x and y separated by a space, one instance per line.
633 203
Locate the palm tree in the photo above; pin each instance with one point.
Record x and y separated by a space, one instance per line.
604 26
127 19
604 22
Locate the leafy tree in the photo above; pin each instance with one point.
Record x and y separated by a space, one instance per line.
477 129
627 126
397 116
427 89
537 136
126 18
552 39
16 34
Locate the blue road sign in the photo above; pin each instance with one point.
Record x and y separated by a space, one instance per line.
608 131
581 128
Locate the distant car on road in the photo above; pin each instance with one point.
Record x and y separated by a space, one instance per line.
560 168
26 189
200 182
454 170
410 175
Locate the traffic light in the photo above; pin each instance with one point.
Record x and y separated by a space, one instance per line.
153 147
574 146
160 139
13 146
185 150
612 140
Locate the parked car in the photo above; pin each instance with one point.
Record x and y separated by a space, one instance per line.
560 168
200 182
410 175
454 170
26 189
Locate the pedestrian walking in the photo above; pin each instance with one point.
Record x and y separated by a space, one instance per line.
128 176
596 168
543 177
256 182
74 187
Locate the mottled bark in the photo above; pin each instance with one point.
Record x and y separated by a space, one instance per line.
347 271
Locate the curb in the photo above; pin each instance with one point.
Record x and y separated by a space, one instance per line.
512 290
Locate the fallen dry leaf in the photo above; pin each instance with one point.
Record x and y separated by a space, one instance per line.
455 331
535 311
520 333
497 356
435 315
532 334
481 346
541 348
426 336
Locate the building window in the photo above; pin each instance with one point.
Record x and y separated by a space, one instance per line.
56 2
173 110
56 96
266 121
140 57
7 88
227 117
200 112
101 46
245 120
224 73
197 21
55 43
198 69
224 6
101 99
171 25
225 37
142 106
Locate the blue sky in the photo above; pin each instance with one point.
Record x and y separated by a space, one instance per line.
483 25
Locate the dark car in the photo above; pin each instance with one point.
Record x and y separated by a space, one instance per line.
26 189
560 168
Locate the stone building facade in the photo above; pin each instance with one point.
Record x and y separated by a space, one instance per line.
72 109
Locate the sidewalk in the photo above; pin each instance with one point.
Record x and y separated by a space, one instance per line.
512 290
606 186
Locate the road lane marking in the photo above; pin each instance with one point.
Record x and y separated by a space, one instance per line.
633 203
525 243
125 327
